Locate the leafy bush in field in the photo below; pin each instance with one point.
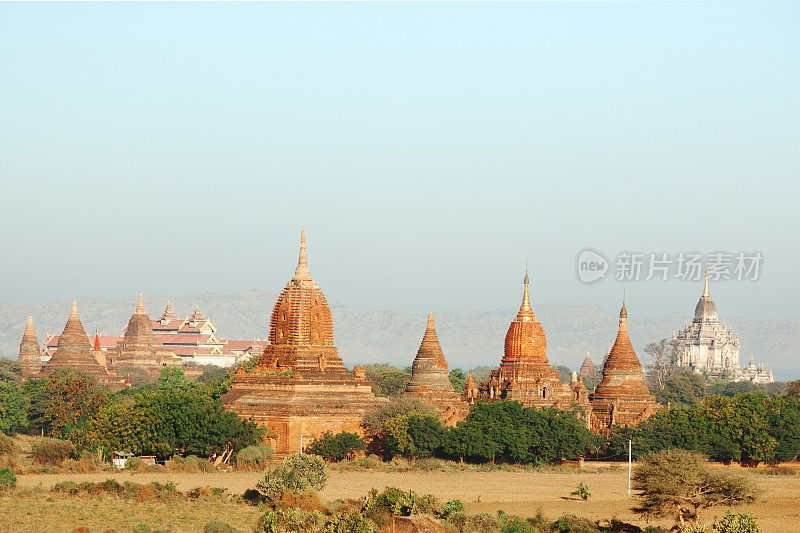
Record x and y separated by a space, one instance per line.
298 473
381 505
52 451
7 479
289 520
736 523
311 467
352 522
254 457
337 447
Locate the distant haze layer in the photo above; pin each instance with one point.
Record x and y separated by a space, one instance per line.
469 337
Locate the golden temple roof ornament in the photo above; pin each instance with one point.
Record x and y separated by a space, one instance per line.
525 313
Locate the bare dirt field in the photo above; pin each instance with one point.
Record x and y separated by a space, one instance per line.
523 493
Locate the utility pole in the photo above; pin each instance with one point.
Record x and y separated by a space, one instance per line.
630 455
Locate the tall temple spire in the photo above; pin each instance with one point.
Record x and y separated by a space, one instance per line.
30 332
140 305
705 288
302 271
525 313
623 315
97 346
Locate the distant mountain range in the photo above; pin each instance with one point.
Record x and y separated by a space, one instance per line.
469 338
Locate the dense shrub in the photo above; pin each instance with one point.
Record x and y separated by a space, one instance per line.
309 466
736 523
747 428
298 473
7 479
289 520
254 457
52 451
337 447
13 407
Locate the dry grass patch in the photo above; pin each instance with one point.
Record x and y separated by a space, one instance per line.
37 510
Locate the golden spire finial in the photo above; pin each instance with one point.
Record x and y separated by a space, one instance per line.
705 287
302 271
525 312
74 312
430 321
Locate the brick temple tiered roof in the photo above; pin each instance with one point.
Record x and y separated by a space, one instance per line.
525 374
430 381
139 347
299 388
30 353
74 353
621 397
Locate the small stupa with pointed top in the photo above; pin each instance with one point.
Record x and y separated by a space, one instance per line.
621 397
299 388
588 370
30 352
525 374
139 347
430 380
75 354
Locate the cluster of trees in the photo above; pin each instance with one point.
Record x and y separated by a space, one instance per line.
501 431
172 416
747 428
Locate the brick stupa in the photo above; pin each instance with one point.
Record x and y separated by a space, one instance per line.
299 388
30 352
525 374
621 397
139 347
430 381
74 353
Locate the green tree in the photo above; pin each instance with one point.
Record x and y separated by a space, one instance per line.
13 407
39 399
376 421
680 483
10 371
387 380
337 447
413 435
75 401
681 388
457 379
173 377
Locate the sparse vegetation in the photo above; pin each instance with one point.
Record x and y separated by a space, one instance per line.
680 483
254 457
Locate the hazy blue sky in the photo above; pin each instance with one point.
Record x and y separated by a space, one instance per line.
428 149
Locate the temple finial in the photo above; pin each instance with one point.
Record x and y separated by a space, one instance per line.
74 312
623 313
705 288
97 346
525 311
430 321
140 304
302 271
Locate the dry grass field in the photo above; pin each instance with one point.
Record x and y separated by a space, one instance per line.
523 493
